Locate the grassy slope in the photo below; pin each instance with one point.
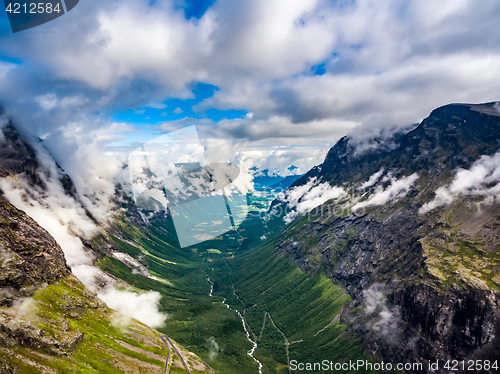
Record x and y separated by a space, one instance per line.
267 282
460 252
194 319
111 343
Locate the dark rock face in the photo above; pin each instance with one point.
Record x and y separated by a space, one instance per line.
30 259
16 155
29 256
422 270
14 332
458 323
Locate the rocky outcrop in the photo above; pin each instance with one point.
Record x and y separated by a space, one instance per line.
16 155
29 256
423 286
14 332
49 321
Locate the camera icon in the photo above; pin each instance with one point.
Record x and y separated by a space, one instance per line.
170 173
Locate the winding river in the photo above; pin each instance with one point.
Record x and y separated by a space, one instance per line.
244 322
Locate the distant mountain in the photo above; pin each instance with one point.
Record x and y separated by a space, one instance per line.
414 234
284 183
263 179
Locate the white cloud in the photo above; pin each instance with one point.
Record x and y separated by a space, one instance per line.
59 215
386 65
372 180
141 306
5 68
397 189
213 348
384 320
306 197
124 39
482 179
50 101
156 105
93 170
61 218
66 220
25 308
4 120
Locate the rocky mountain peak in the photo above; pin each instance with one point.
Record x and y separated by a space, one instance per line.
435 273
454 134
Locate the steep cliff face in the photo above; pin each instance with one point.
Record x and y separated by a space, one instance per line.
454 324
422 263
16 155
49 321
29 256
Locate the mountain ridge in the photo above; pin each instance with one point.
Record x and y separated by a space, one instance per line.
423 285
49 321
342 152
410 274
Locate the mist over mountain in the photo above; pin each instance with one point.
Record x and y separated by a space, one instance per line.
403 239
413 234
250 187
49 320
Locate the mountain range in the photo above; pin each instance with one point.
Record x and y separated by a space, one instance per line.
388 252
414 236
49 321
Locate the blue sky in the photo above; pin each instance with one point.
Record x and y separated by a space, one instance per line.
4 24
196 8
147 118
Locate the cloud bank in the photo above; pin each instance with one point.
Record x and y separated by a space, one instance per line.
482 179
66 219
306 197
397 189
305 72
